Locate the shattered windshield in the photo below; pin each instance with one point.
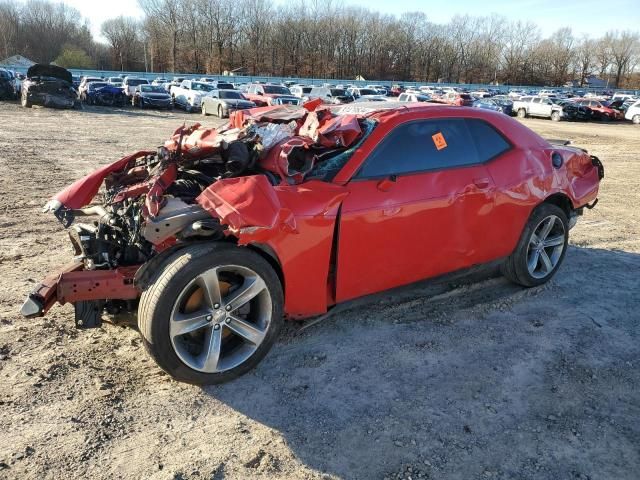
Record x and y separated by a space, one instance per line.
326 169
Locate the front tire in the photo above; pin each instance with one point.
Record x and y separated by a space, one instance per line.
211 313
555 117
522 113
220 114
541 248
636 119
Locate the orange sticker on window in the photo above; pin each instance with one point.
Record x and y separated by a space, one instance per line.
439 141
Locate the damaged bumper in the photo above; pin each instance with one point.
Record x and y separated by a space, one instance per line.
74 284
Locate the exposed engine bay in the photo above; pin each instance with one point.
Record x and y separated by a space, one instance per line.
195 186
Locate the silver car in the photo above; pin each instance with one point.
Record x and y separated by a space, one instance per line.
224 102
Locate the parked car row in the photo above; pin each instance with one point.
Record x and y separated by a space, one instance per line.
52 86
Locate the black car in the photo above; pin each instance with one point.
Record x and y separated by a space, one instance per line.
49 86
151 96
7 85
574 111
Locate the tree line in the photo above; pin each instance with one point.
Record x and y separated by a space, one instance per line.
318 39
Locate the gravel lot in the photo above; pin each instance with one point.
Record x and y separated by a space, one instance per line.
471 378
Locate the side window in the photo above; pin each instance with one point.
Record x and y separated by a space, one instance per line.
402 97
433 145
537 100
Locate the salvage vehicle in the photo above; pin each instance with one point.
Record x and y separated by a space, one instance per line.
497 105
300 91
330 95
218 235
573 110
600 111
189 94
365 94
267 94
84 84
414 97
633 113
129 85
103 93
48 86
7 85
539 107
151 96
225 102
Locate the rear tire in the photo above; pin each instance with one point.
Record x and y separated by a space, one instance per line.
220 115
522 113
181 334
539 253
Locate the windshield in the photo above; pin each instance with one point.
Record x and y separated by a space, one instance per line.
134 82
367 91
224 86
307 89
152 89
231 94
276 89
329 167
201 87
338 92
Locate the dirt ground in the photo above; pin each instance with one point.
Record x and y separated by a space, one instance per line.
456 380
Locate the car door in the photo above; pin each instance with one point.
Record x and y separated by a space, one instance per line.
418 207
545 107
534 107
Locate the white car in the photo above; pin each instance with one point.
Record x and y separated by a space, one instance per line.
300 91
84 84
129 85
189 94
365 94
633 113
413 97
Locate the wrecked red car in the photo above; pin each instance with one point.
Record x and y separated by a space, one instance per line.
218 235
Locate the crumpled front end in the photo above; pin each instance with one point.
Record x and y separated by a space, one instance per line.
203 184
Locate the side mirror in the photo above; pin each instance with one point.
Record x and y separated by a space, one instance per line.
387 184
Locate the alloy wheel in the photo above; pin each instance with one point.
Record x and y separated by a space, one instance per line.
220 318
545 248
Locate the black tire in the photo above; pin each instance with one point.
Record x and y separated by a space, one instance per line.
522 113
220 113
164 291
555 116
515 267
635 119
203 110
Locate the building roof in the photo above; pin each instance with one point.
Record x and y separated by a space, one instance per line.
16 61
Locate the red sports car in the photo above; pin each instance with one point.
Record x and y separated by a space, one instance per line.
220 234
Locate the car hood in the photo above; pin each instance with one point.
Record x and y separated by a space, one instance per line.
44 70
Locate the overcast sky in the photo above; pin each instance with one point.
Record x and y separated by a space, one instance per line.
593 17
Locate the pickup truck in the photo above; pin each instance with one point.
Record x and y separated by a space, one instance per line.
544 107
189 94
266 95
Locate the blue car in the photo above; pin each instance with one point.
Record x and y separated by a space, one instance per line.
503 106
103 93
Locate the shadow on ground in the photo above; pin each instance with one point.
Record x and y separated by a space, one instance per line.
479 380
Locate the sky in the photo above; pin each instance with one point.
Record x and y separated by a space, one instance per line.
592 17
